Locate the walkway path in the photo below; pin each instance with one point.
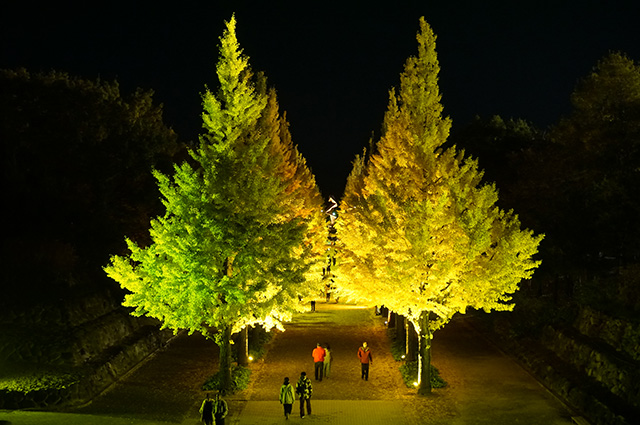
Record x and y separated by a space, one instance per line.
488 387
485 386
343 398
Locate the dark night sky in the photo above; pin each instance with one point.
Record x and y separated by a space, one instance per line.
332 63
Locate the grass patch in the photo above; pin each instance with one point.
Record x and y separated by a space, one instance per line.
398 344
258 339
240 377
26 378
409 373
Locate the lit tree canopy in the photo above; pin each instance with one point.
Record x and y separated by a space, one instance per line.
419 232
243 224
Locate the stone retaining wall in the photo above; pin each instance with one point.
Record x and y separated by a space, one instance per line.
566 386
97 380
600 362
622 335
91 337
592 366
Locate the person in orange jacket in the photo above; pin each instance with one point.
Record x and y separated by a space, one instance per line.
318 358
364 354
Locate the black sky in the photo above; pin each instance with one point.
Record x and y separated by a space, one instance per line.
331 63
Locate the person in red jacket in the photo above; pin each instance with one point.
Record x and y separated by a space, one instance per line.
364 354
318 358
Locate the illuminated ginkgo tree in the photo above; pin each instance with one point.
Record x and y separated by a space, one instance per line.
243 230
419 232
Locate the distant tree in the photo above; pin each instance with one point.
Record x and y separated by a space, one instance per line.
238 240
596 168
76 158
418 232
497 145
514 154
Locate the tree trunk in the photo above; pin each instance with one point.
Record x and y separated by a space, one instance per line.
411 343
400 331
224 342
391 319
243 347
225 358
425 354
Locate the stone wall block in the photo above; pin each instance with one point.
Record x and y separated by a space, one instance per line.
90 308
97 336
92 338
622 335
617 376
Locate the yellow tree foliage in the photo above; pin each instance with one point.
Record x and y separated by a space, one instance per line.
419 232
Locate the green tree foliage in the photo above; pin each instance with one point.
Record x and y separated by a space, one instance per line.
243 220
77 158
418 230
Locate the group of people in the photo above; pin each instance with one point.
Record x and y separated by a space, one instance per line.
322 365
216 409
213 409
303 391
322 359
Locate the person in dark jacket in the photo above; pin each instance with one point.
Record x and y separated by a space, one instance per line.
304 391
364 354
206 410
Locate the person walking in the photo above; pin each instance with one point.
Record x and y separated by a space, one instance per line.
304 389
206 410
364 354
327 360
318 355
220 409
287 397
213 409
